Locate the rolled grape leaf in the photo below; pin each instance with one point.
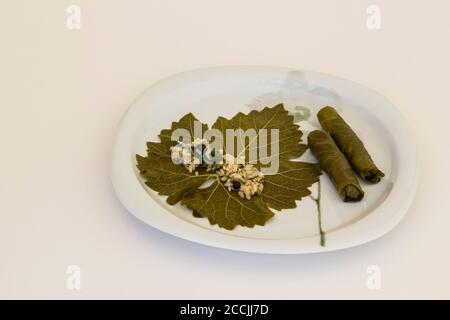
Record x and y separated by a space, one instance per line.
334 163
349 143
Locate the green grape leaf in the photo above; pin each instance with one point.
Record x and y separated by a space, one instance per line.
161 174
207 196
291 183
226 208
269 118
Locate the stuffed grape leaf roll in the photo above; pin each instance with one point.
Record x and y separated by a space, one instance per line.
334 163
349 143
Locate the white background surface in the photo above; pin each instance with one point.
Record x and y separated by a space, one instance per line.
64 92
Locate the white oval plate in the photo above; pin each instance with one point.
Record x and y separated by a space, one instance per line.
225 91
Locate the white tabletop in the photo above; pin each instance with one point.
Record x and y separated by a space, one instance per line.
65 90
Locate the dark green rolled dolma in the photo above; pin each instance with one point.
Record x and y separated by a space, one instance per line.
334 163
350 144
